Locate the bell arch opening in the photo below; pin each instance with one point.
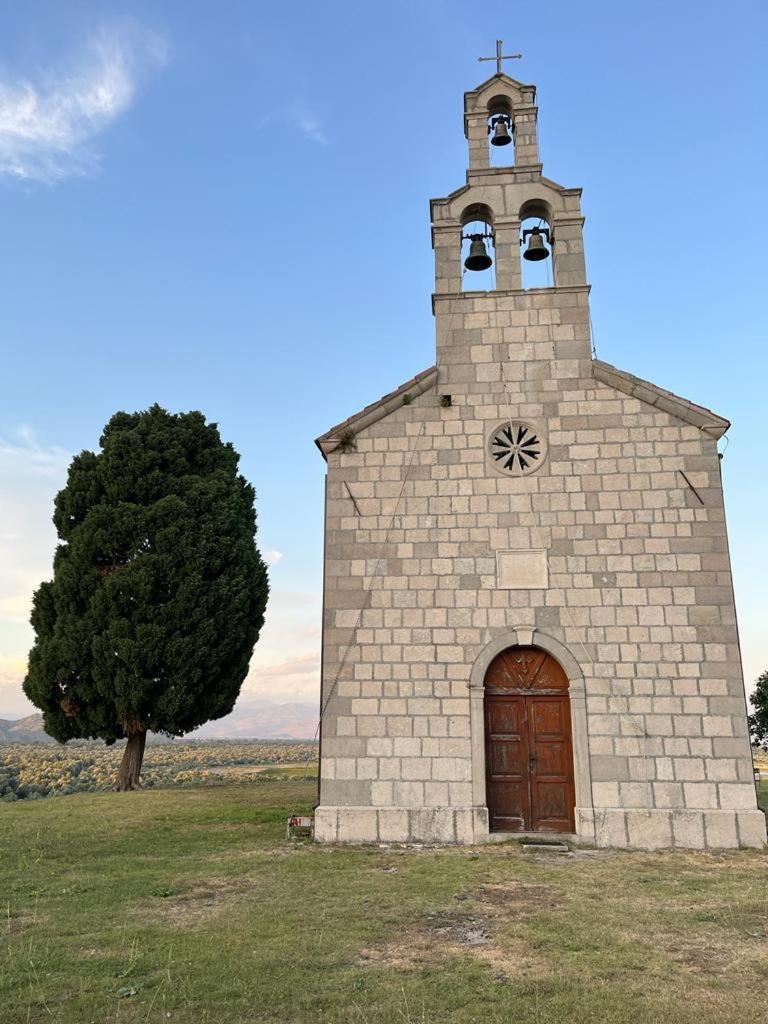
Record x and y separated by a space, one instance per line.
529 763
478 250
536 245
501 132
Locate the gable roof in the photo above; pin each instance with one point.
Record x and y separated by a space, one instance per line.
635 387
494 80
666 401
376 411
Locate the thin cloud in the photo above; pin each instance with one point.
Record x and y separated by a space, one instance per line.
48 127
294 678
312 129
300 665
294 115
25 455
295 598
12 699
31 472
272 557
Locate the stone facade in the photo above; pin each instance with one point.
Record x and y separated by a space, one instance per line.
618 541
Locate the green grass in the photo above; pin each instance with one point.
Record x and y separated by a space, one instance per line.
190 906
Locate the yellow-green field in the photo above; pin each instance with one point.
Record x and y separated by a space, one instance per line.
190 906
33 770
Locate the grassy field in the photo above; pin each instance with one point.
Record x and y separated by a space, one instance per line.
190 906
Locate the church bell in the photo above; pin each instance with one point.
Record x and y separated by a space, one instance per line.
536 250
478 258
501 136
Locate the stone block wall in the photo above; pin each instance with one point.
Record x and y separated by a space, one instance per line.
639 594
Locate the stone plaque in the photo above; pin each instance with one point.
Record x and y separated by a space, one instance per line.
522 570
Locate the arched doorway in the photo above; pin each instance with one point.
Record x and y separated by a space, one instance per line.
528 747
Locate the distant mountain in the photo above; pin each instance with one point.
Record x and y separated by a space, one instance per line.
264 720
24 730
258 719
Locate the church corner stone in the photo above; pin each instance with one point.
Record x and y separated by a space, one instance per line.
526 538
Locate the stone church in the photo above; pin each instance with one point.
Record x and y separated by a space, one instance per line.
529 622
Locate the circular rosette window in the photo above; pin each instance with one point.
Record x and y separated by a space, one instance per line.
516 448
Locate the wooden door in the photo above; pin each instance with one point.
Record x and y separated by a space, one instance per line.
529 758
551 761
507 753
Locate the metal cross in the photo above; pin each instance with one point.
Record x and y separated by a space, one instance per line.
499 57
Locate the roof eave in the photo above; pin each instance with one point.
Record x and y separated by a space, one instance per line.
331 439
697 415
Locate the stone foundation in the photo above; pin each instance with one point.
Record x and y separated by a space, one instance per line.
623 828
643 829
445 825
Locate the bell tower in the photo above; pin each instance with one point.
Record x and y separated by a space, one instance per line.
505 216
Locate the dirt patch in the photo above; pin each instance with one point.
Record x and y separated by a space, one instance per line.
713 956
198 904
515 960
461 931
402 956
447 934
440 936
702 960
258 855
14 924
515 901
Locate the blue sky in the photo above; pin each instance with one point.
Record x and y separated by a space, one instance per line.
225 207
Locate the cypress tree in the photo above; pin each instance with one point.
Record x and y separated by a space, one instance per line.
758 723
158 590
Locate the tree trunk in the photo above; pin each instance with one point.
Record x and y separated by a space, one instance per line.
129 775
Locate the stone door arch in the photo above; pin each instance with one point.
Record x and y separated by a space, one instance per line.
526 637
